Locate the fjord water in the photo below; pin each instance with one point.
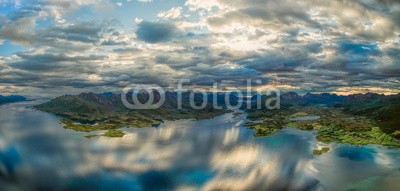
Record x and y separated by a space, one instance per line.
36 153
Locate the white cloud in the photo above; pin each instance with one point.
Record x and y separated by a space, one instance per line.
138 20
171 13
145 1
201 4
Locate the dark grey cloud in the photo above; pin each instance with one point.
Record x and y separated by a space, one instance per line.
74 37
154 32
272 62
256 12
314 47
44 62
83 32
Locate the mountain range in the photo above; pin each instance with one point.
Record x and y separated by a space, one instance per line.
11 99
92 106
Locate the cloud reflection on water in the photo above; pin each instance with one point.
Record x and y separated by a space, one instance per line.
179 155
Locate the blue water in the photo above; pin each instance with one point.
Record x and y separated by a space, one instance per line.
36 153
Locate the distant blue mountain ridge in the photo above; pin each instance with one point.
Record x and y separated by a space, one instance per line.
11 99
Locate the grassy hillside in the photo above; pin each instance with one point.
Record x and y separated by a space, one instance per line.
385 110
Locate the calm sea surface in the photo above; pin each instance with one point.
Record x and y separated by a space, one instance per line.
36 153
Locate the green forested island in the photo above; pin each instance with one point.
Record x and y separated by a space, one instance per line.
321 151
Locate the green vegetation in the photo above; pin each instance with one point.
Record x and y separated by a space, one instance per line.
89 112
269 122
113 133
334 125
300 114
384 110
90 136
113 122
109 133
130 119
374 136
262 129
278 119
321 151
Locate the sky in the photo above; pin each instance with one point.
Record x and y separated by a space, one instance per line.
55 47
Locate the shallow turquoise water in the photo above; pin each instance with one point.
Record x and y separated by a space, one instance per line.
36 153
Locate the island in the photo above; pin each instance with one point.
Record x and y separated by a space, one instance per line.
321 151
356 119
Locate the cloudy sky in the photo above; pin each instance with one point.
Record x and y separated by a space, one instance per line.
53 47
